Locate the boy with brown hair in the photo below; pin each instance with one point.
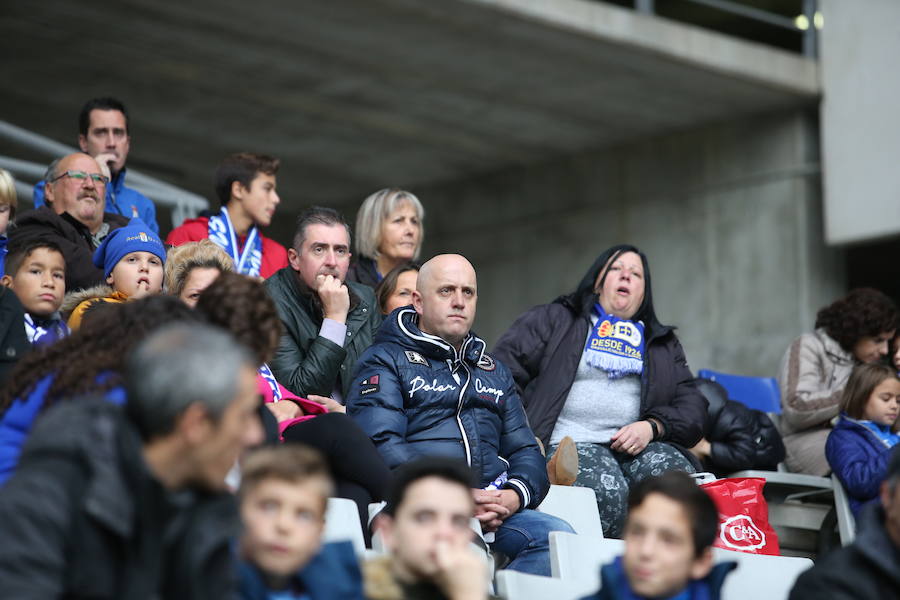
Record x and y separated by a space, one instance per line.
283 496
245 185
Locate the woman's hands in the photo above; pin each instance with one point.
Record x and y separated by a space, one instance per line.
633 438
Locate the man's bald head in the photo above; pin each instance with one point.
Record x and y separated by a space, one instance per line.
445 297
84 199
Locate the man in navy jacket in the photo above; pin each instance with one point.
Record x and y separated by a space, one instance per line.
426 387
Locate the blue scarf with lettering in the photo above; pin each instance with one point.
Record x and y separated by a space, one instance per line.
615 345
221 231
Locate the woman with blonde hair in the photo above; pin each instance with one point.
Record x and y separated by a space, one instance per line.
388 233
8 204
191 267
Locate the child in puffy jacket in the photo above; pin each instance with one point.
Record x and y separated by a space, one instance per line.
860 444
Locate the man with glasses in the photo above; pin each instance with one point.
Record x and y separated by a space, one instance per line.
73 217
103 133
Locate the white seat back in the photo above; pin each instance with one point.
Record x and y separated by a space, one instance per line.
342 523
575 505
514 585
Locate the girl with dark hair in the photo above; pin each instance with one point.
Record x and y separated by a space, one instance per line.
89 362
241 305
859 446
853 330
598 368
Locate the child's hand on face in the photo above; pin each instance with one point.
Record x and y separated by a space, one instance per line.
462 574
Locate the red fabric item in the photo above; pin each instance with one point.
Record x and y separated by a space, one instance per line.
274 255
310 408
743 515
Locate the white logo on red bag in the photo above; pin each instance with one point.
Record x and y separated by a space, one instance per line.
741 533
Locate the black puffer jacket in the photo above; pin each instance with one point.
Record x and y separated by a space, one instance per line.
739 437
543 347
415 395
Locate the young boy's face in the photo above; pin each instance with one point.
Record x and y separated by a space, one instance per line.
137 275
659 555
260 199
40 282
5 210
283 523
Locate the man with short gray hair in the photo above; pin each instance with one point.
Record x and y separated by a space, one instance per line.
107 504
74 217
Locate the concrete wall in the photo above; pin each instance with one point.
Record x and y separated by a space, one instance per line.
729 215
860 122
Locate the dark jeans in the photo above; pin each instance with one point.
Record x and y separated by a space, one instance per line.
610 474
358 471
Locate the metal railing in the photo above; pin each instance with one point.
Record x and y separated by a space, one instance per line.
183 204
806 24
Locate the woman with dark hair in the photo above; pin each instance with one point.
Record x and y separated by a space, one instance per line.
853 330
396 289
89 362
596 367
241 305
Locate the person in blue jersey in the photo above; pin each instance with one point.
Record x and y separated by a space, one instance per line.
426 387
669 533
104 134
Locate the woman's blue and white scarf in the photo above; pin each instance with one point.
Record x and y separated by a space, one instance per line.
221 231
615 345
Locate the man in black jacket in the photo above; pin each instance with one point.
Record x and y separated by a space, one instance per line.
106 504
74 218
868 568
328 321
426 388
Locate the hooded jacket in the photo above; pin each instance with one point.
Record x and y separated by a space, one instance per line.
90 521
73 238
76 303
306 362
859 458
543 347
415 396
867 569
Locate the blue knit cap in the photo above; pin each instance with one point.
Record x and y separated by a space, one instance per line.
134 237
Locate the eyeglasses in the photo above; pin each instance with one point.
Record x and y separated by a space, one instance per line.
82 177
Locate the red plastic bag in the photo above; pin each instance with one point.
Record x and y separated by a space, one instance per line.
743 515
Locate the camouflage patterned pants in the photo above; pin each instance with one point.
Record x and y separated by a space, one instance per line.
611 473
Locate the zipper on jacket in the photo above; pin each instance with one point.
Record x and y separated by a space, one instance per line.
462 430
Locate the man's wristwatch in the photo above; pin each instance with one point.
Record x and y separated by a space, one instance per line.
654 427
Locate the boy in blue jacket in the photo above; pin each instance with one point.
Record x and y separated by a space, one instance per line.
283 495
669 533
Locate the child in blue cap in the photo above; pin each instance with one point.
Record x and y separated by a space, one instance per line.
132 259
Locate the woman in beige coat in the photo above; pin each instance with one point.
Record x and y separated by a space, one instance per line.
852 330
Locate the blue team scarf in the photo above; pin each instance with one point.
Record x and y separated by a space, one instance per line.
615 345
43 333
266 373
221 231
